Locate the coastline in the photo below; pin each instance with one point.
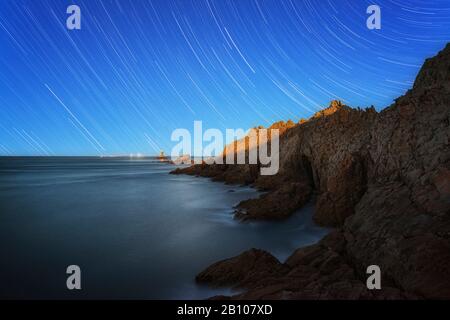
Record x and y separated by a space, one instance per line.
381 180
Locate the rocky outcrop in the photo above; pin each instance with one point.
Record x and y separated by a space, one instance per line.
323 156
382 179
320 271
244 271
278 204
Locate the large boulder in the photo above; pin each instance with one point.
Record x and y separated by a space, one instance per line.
245 270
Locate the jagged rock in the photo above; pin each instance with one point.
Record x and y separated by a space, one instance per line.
382 178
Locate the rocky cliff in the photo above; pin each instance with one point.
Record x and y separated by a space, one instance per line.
381 179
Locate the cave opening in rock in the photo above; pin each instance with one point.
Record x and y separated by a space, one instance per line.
309 173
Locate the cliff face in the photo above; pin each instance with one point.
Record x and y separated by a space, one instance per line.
402 222
382 179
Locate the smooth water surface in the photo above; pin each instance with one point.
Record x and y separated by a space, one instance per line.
135 230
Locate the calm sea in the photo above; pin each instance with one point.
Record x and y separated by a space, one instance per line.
136 231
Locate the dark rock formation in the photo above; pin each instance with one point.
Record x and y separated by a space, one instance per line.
320 271
245 270
382 179
277 204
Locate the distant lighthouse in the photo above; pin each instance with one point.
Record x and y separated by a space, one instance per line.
162 156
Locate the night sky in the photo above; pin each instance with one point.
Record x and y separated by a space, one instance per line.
139 69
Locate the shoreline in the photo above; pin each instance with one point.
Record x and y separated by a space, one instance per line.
381 180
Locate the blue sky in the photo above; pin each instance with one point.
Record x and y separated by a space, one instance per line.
139 69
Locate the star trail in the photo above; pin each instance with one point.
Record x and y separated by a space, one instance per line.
137 70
